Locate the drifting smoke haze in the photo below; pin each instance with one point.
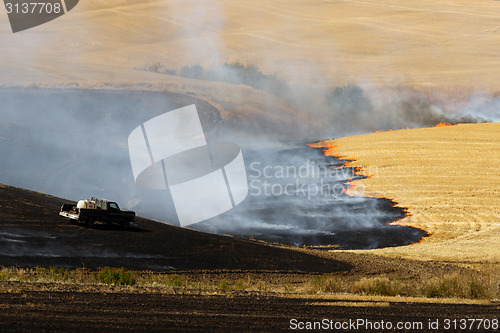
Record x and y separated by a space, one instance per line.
73 142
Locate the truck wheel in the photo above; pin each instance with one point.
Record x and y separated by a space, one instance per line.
126 224
90 221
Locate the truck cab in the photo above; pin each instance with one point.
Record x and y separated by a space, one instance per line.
96 209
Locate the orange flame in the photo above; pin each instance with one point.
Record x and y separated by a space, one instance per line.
445 124
390 129
330 151
440 124
350 186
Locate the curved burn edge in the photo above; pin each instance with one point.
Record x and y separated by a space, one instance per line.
329 150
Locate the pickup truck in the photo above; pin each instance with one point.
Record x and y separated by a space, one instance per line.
102 210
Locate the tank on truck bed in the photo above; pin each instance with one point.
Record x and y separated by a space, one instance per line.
102 210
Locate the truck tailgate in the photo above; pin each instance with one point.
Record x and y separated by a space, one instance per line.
72 216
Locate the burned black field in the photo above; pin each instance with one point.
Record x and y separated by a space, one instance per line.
215 313
32 234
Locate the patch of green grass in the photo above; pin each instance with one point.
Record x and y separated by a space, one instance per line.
377 286
476 289
59 274
224 285
117 276
53 273
3 277
173 281
176 281
240 285
326 283
456 285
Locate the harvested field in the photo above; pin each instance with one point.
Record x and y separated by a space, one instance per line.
449 179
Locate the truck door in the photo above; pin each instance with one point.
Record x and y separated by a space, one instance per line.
114 212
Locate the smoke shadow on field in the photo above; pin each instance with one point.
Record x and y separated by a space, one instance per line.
297 197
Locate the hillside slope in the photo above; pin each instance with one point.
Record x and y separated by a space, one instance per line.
33 234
